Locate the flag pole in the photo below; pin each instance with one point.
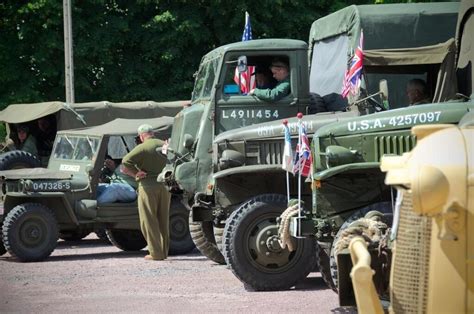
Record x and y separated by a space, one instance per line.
285 123
299 116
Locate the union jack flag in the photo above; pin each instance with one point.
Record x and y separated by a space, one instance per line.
303 158
246 80
352 77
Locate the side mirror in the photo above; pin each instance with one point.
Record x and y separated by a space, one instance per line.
242 64
383 89
188 141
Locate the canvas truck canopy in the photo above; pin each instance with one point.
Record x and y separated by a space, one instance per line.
465 45
94 113
334 38
437 61
121 133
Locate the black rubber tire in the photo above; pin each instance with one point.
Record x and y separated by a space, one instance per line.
383 207
102 235
3 250
219 236
126 240
202 233
248 232
180 238
322 259
17 159
74 235
30 232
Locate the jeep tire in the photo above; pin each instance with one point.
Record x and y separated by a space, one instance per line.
126 240
30 232
17 159
180 238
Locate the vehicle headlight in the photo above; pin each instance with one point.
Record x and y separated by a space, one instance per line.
338 155
231 158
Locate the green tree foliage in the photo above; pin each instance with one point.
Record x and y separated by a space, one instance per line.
127 50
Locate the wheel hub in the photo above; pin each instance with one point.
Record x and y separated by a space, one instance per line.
273 245
263 242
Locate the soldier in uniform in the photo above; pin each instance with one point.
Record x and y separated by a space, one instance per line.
144 163
27 142
281 73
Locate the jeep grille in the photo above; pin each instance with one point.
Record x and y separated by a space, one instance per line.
264 153
393 145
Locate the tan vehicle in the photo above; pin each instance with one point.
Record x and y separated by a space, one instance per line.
62 116
433 231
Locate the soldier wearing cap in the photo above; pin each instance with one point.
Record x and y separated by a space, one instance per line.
144 163
281 73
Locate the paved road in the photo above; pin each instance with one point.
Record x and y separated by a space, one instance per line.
88 276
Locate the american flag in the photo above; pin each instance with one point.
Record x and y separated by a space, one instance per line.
303 158
287 163
246 80
354 72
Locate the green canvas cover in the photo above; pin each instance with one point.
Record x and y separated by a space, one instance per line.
124 127
94 113
465 44
389 25
439 58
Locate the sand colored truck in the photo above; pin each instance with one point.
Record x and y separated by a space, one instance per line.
40 204
235 181
432 234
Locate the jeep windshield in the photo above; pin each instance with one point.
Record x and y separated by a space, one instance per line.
73 147
205 78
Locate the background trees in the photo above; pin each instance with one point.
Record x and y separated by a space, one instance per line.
126 51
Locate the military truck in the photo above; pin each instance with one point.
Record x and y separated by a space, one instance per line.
39 204
433 226
347 183
64 116
240 174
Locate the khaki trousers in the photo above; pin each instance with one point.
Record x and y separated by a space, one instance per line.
153 209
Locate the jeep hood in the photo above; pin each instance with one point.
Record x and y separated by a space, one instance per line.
33 173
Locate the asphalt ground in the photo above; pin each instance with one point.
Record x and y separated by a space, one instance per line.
90 276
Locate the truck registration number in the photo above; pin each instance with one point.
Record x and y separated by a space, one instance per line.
51 186
402 120
250 114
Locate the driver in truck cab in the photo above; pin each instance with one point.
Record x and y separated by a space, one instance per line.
281 73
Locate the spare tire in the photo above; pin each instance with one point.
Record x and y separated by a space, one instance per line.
17 159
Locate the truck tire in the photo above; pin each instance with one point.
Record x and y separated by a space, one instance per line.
324 267
3 250
180 238
252 251
383 207
126 240
30 232
17 159
74 235
202 233
102 235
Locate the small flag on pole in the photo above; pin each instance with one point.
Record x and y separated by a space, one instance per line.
352 77
246 80
287 162
303 158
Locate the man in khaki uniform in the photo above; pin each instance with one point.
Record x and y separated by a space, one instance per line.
144 163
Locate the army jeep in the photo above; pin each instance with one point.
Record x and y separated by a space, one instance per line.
39 204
